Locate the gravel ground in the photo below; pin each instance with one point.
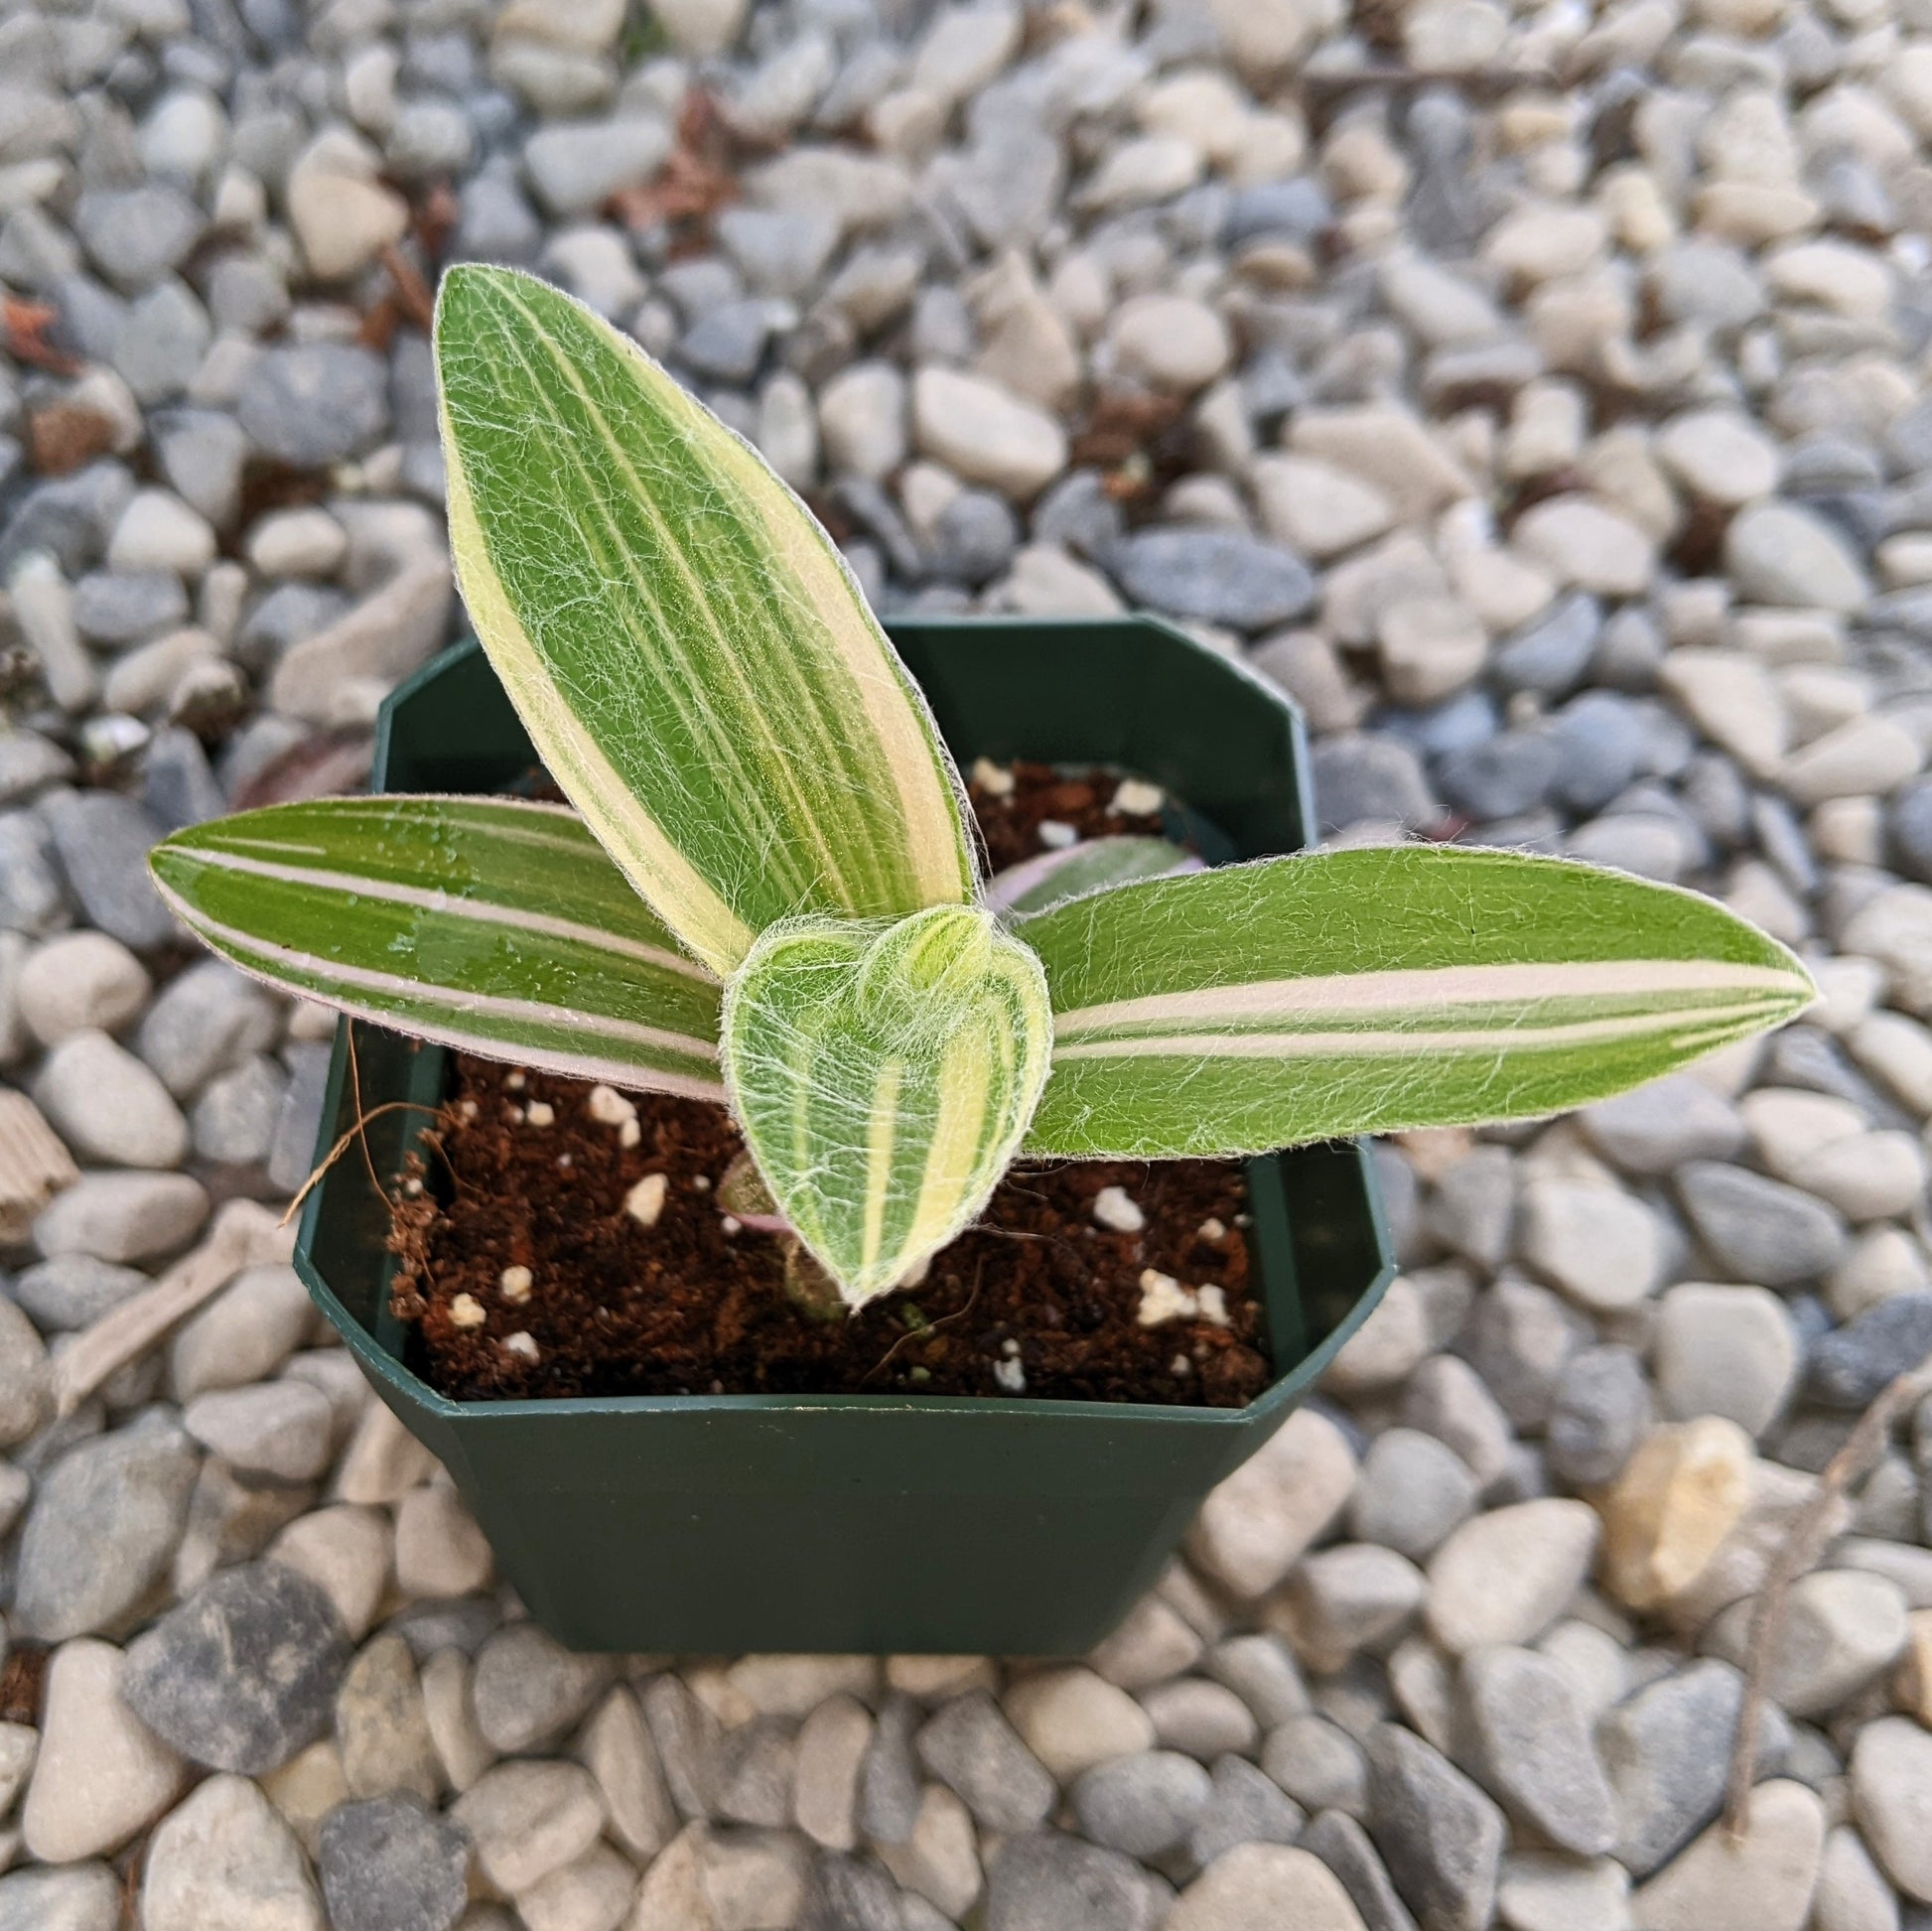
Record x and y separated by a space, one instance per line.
1535 395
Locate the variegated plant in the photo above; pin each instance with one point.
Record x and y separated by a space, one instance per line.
767 895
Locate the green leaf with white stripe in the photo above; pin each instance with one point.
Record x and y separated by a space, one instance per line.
1036 883
685 645
1298 999
493 926
884 1074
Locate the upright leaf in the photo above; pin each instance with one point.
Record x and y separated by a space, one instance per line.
497 927
883 1075
687 649
1264 1005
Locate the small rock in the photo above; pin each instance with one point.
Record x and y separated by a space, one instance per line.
1597 1416
1727 1351
439 1550
1256 1524
244 1336
1258 1886
1849 1365
1544 1892
102 1530
1244 1806
225 1859
388 1866
528 1818
342 213
832 1747
617 1749
313 404
1761 1229
1536 1752
1891 1793
1585 543
1071 1719
1319 1765
1842 1629
1442 1837
77 982
971 1748
244 1672
1764 1878
1505 1576
1217 576
985 434
577 167
103 841
1169 340
281 1430
76 1898
1347 1848
99 1777
1779 553
1603 1247
1677 1499
1042 1880
528 1688
381 1725
1667 1750
1413 1491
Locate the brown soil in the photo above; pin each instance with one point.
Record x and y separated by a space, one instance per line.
1038 1298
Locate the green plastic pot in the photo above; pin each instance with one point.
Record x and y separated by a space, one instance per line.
865 1523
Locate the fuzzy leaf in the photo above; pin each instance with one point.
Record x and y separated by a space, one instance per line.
497 927
884 1074
1036 883
686 648
1298 999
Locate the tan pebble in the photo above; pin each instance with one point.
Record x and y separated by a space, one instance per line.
540 1113
645 1201
466 1310
515 1284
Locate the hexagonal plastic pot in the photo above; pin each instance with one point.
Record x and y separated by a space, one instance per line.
870 1522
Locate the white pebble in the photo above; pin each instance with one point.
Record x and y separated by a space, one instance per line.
994 779
609 1108
515 1284
1136 799
1213 1304
1010 1376
466 1310
540 1113
645 1201
1055 836
1163 1297
1114 1206
522 1346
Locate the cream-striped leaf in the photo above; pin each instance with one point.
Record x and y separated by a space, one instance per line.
685 645
494 926
1036 883
1260 1006
884 1074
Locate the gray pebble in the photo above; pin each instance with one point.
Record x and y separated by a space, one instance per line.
1143 1804
1598 1415
1440 1836
386 1864
970 1746
103 840
315 404
102 1529
1849 1366
244 1673
1218 576
1761 1229
1347 1849
1044 1881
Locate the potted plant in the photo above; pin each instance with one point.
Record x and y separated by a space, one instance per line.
767 900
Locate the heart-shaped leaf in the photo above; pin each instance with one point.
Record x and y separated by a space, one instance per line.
884 1074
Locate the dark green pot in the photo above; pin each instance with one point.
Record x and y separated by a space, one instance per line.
870 1522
